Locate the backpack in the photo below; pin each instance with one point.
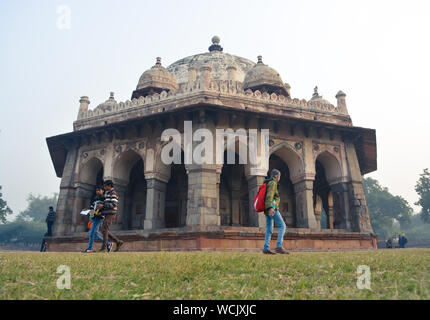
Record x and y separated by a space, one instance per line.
260 197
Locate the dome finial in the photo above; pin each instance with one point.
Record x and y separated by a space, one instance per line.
111 95
158 63
215 44
260 59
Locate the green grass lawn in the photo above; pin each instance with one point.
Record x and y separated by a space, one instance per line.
395 274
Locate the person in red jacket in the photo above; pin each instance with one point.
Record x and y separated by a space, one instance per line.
272 213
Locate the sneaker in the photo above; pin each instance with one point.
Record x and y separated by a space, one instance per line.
87 251
119 245
268 251
109 247
281 250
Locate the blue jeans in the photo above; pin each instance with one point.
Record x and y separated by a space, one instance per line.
94 233
277 218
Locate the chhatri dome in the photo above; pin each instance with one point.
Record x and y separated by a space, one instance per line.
317 98
108 104
155 80
262 77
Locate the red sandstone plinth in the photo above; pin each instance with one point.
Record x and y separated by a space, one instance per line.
222 239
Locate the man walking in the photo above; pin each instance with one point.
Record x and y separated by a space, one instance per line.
96 219
110 210
272 213
50 218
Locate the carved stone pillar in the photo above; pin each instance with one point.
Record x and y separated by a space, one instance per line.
83 195
255 219
65 204
203 195
155 203
359 212
342 212
330 215
304 204
360 217
318 210
235 198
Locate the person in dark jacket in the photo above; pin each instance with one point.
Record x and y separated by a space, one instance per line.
402 241
110 210
50 218
272 213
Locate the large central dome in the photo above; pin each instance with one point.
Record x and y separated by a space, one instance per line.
216 59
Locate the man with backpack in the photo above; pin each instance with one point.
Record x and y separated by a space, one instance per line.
272 213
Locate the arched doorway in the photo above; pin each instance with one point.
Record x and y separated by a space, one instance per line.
130 184
233 194
175 213
286 191
90 176
327 202
136 197
320 191
92 172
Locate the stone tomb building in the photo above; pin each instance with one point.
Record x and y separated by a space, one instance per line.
321 155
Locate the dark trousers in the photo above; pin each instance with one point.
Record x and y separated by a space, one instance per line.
49 224
105 230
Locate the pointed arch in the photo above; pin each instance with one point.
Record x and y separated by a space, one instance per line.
90 171
331 164
291 158
124 163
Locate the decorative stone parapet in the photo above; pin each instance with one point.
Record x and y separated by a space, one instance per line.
222 88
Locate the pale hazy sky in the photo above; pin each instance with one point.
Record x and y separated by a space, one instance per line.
377 52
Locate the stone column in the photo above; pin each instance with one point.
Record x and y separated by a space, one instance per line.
330 215
255 219
82 200
235 198
318 210
341 190
121 222
155 203
202 206
360 217
63 221
304 204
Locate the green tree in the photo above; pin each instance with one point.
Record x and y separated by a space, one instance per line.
4 209
20 231
385 208
37 207
423 189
